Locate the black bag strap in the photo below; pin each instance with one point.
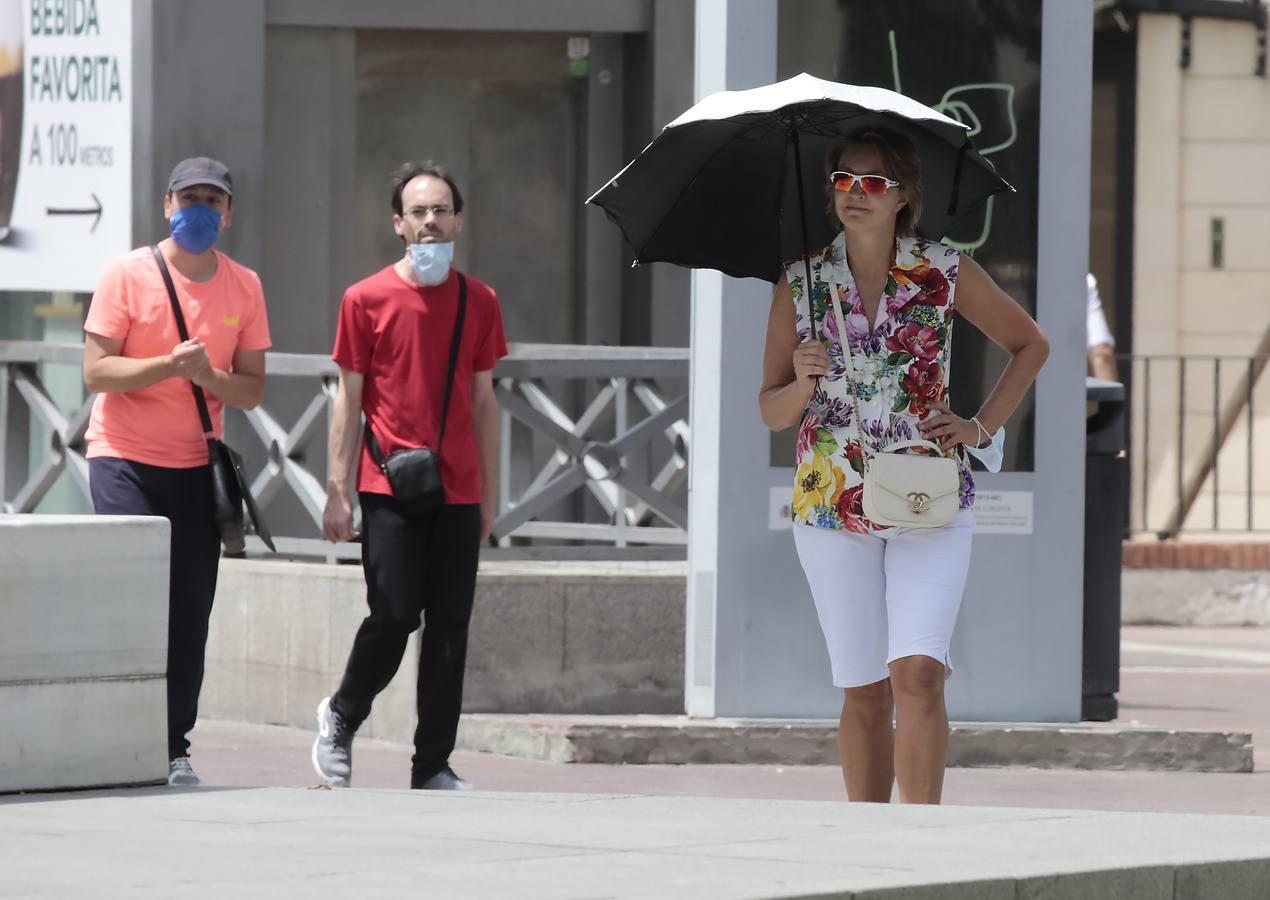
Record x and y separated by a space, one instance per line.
371 443
201 401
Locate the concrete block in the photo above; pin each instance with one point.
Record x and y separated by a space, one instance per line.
230 621
263 695
224 691
624 640
84 596
308 605
83 651
1098 746
599 638
1194 597
1144 883
957 890
1245 879
680 740
393 716
83 733
516 646
268 631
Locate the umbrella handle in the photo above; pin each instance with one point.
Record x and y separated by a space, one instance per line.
802 219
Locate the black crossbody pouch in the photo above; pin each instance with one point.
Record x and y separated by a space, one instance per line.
414 473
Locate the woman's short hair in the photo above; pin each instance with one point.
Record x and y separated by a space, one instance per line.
900 162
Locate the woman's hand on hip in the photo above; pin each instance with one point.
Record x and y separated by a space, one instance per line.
947 429
811 360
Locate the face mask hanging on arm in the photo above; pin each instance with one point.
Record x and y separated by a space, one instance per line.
992 455
432 262
195 228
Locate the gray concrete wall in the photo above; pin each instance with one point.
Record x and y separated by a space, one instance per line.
673 53
545 637
200 74
1230 597
83 651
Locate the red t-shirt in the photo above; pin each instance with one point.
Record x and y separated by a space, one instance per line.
398 337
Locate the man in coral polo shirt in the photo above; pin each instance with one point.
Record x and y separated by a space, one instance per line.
147 454
393 349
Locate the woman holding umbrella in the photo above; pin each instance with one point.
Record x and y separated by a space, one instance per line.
857 357
861 370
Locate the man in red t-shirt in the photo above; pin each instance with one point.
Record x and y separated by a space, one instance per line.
393 348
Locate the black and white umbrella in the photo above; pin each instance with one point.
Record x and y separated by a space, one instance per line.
735 183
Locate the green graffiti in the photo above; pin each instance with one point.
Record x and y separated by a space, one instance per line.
955 108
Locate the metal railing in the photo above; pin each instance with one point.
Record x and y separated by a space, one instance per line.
1193 445
551 457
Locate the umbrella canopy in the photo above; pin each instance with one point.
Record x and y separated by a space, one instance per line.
719 188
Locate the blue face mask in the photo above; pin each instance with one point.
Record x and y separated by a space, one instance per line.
195 228
432 262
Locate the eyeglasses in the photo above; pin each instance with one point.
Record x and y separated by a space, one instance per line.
421 212
870 184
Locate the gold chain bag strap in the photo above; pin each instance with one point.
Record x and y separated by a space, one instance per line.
902 490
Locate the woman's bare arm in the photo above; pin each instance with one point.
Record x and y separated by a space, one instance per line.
790 368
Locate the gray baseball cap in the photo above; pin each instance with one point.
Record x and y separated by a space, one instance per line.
201 170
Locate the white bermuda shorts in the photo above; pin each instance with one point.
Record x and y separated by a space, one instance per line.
886 595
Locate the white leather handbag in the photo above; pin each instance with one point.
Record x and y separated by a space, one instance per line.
910 490
903 490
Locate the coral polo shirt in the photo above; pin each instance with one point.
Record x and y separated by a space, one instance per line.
159 425
397 336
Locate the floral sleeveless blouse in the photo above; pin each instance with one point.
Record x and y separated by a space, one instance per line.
901 365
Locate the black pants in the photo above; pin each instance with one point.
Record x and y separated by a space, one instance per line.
184 497
415 566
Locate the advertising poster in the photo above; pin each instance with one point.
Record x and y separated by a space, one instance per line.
65 141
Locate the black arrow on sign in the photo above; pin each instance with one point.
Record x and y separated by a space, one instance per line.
94 211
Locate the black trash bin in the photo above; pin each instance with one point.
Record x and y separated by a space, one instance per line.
1106 501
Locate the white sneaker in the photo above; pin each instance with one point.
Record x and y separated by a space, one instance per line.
180 772
333 747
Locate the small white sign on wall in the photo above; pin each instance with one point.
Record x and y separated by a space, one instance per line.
1003 512
779 508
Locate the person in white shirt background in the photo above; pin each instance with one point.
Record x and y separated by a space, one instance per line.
1100 346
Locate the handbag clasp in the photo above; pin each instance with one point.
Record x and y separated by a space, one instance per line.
918 501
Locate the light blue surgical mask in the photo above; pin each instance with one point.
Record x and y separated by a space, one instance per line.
992 455
432 262
195 228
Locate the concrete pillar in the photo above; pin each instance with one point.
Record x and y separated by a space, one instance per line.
743 580
1158 177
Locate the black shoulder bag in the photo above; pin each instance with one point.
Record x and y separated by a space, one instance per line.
229 487
415 474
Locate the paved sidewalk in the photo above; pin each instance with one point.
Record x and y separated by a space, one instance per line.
288 844
1173 677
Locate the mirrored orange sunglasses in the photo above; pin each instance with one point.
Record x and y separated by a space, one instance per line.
870 184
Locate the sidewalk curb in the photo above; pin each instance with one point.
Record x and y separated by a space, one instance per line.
680 740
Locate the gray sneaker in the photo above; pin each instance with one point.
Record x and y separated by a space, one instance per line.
445 780
180 772
333 748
